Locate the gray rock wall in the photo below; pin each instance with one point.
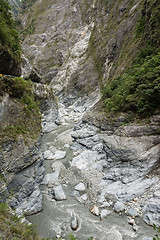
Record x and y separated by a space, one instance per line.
127 156
79 45
21 159
22 170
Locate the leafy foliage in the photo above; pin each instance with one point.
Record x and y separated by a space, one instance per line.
157 236
12 228
9 37
26 4
19 88
138 89
27 114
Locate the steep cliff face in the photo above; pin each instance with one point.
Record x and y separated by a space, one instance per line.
21 160
9 42
58 44
89 45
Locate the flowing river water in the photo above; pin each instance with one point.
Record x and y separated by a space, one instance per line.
56 217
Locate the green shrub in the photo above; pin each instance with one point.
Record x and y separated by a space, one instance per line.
157 236
9 37
138 89
16 87
26 109
26 4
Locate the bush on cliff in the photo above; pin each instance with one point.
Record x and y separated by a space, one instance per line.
26 4
138 89
9 38
12 228
23 112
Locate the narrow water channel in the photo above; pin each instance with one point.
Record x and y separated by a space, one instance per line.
55 219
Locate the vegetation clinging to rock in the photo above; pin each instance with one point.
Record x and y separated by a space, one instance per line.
23 113
138 89
9 38
12 228
26 4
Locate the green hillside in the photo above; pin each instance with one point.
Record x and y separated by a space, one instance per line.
9 39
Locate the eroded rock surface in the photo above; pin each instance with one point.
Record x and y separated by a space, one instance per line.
128 157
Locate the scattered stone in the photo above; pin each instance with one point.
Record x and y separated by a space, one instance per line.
74 223
58 122
131 221
86 160
50 177
133 212
87 131
135 227
48 155
95 210
75 193
24 220
138 188
119 207
110 197
135 199
48 127
104 205
66 145
59 155
84 197
58 193
157 194
104 213
80 187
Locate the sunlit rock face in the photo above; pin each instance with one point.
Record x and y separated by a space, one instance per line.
58 46
77 45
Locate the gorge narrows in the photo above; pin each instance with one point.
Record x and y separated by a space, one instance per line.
70 211
80 119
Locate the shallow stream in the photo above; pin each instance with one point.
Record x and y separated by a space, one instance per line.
55 219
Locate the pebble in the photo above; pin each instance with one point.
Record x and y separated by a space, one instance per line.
104 213
131 221
80 187
59 155
119 207
58 193
75 193
95 210
135 227
84 197
135 199
74 223
104 205
132 212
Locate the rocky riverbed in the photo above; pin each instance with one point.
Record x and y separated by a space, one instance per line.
98 182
